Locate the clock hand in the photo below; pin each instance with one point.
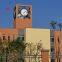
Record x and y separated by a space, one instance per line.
24 12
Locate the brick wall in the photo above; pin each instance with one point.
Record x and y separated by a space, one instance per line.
44 56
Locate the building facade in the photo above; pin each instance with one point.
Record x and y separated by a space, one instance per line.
8 34
22 16
38 37
58 45
38 40
22 19
52 53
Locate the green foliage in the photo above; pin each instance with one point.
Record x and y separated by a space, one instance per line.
53 23
60 26
17 44
11 47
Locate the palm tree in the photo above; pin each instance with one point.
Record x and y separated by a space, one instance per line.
60 26
53 24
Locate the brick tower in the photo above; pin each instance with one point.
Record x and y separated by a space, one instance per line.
22 16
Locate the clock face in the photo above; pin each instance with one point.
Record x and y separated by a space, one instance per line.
24 12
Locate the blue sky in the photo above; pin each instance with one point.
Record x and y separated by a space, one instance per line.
46 10
43 12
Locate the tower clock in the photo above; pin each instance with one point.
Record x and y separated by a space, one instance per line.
22 16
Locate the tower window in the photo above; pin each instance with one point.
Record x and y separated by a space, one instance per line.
9 38
3 37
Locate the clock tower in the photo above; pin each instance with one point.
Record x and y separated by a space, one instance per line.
22 16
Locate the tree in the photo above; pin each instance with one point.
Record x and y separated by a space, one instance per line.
60 26
33 51
1 51
5 44
19 47
12 50
53 24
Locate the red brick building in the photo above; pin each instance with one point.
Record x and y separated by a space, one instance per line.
8 34
22 17
58 45
22 20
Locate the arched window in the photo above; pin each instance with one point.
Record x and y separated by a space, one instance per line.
4 38
8 38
